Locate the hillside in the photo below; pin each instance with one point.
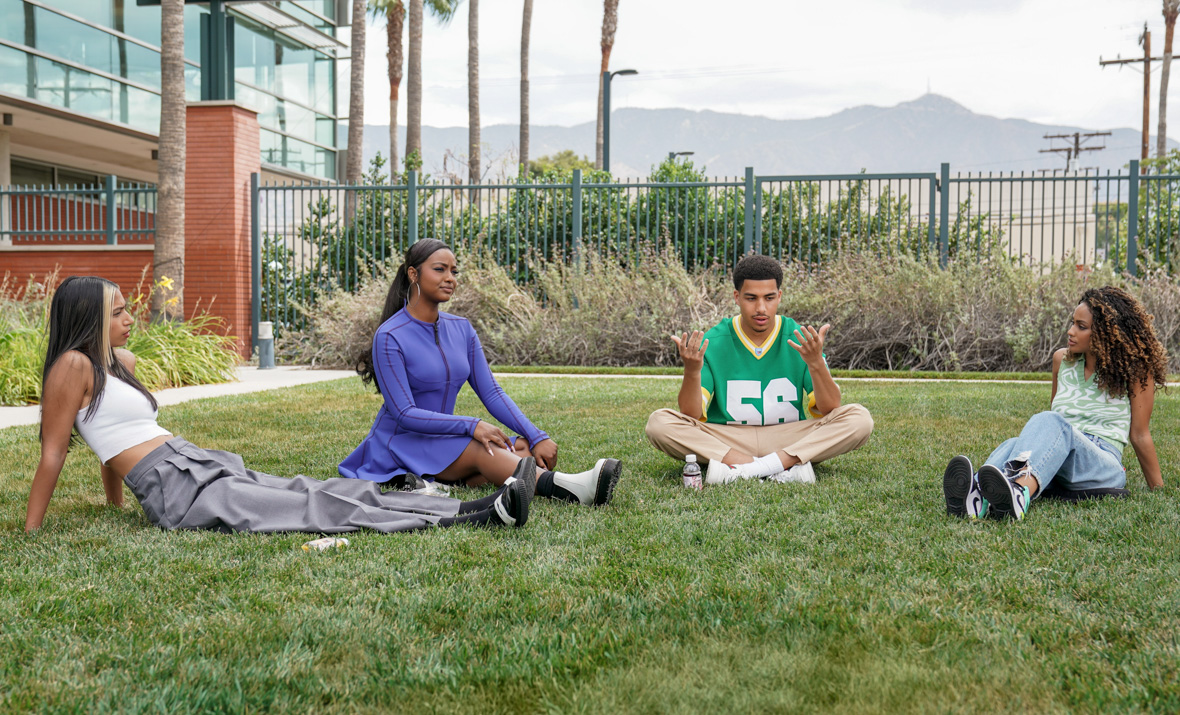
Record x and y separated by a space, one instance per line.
911 136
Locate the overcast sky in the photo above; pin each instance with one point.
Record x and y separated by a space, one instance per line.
787 59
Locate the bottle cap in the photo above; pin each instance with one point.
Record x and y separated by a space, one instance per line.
690 458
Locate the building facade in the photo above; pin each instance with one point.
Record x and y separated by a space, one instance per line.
80 86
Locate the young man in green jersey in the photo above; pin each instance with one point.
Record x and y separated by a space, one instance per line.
753 402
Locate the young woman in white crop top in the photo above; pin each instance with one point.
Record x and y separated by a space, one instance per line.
1104 384
88 383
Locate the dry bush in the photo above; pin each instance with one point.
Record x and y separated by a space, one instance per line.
597 312
900 313
342 325
886 313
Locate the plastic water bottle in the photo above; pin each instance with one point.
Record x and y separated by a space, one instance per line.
692 473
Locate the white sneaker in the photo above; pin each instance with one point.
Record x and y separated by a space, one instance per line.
594 487
803 473
719 472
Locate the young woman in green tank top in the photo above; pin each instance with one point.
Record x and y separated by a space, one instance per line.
1104 384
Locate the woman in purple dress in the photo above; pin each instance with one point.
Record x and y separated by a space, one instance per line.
419 360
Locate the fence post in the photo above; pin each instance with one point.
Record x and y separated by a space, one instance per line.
576 198
112 214
944 210
255 263
412 206
758 216
748 226
1133 217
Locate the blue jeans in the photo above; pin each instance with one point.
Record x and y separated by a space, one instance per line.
1055 449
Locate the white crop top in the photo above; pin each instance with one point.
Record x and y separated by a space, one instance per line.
124 418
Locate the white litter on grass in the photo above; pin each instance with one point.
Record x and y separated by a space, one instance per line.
328 542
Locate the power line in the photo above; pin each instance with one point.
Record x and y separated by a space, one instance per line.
1145 42
1074 152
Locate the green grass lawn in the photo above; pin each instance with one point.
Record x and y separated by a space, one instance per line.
856 594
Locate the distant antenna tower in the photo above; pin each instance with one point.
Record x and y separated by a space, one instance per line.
1072 153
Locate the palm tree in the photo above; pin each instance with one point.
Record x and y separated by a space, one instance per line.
525 30
1171 9
394 12
443 11
356 98
168 255
473 172
610 23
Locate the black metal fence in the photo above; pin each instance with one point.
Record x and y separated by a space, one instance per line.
309 238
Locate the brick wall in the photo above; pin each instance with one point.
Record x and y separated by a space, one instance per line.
123 266
223 150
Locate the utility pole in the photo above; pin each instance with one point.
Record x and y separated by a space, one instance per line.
1075 151
1145 42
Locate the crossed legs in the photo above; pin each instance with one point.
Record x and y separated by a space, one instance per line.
843 430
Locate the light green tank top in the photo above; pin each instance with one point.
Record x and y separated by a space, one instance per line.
1089 409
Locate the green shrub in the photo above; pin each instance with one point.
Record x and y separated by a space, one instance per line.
167 354
887 313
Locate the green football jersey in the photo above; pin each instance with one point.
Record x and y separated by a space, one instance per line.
744 384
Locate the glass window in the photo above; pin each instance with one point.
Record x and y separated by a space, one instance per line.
283 67
69 177
297 11
15 72
142 109
327 8
12 21
142 23
192 83
28 174
74 89
297 155
100 12
65 38
192 31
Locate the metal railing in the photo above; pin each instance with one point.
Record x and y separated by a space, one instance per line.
110 213
311 238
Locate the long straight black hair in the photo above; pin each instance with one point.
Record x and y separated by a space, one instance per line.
397 298
80 319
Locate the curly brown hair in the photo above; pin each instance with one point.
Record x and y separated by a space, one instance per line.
1128 355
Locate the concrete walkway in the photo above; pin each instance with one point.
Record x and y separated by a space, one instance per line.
250 379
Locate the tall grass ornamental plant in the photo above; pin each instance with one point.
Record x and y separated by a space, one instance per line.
168 354
887 312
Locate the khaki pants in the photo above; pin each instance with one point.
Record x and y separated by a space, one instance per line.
843 430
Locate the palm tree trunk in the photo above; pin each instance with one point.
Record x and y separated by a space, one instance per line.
473 159
394 23
610 23
525 30
414 84
168 255
1171 9
356 98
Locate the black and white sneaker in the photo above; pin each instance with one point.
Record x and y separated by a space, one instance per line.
593 487
526 471
512 507
961 489
1004 496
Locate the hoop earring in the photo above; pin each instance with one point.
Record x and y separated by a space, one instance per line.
412 300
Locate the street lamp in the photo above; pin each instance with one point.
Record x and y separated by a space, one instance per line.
606 78
673 154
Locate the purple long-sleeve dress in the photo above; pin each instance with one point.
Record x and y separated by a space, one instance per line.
420 369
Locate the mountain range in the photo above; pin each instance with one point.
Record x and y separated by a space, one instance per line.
914 136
